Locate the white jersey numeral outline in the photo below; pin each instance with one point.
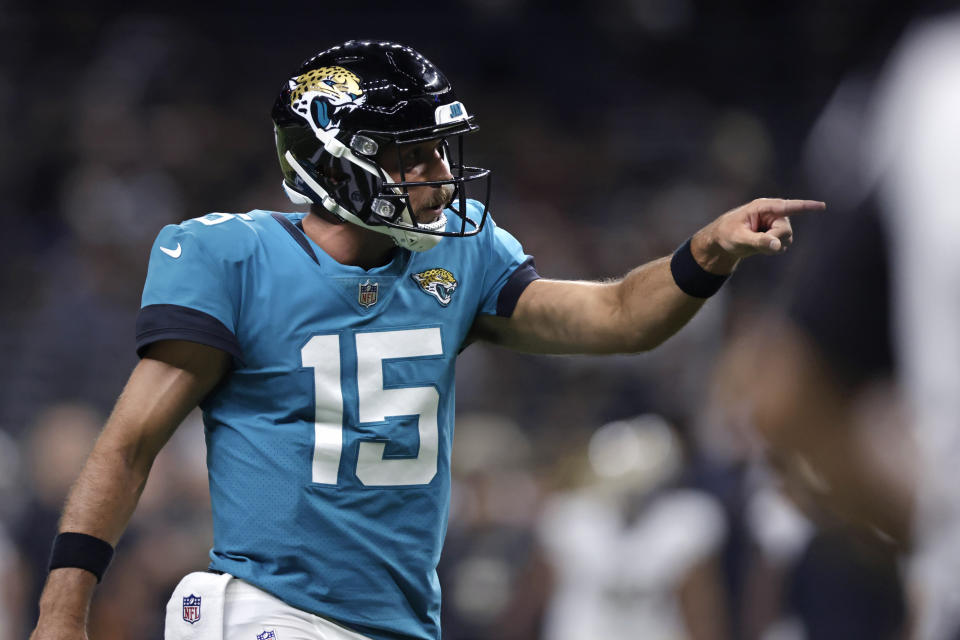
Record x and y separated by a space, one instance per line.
212 219
375 404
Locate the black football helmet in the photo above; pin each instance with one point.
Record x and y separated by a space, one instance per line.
353 102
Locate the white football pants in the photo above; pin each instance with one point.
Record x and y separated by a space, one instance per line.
210 606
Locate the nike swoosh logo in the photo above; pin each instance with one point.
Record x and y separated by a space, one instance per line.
173 253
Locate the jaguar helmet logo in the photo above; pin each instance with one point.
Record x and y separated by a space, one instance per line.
438 283
319 95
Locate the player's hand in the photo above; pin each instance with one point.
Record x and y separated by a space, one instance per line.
761 226
64 604
55 631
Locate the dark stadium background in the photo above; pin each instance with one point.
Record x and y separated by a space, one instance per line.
614 130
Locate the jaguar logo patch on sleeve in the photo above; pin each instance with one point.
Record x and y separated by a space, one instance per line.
438 283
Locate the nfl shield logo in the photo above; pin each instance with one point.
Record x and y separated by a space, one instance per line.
368 293
267 635
191 608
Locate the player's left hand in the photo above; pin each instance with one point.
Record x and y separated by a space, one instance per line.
761 226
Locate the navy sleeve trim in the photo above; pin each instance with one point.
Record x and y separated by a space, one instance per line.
296 234
157 322
523 275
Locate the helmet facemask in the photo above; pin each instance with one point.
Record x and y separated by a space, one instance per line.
352 175
392 205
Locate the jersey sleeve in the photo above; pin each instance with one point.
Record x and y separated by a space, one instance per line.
509 271
190 294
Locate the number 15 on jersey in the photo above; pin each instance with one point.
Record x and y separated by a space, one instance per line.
375 404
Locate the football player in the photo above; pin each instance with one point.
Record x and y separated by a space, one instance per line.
321 348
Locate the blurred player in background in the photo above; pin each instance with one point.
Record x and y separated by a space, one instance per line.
862 403
321 348
913 161
632 553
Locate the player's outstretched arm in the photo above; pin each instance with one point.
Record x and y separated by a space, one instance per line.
644 308
163 388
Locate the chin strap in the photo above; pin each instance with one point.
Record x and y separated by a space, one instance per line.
407 239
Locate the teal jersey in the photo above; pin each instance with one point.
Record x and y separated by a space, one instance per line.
329 441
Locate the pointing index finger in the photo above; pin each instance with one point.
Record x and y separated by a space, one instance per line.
791 207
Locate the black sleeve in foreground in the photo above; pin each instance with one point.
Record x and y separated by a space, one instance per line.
157 322
523 275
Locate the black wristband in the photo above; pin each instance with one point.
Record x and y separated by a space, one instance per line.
693 279
82 552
